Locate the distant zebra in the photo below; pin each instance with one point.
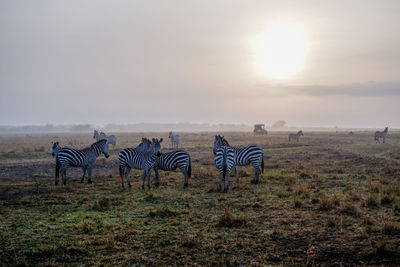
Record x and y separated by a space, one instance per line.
174 140
141 160
224 161
99 136
55 148
295 136
85 158
382 135
170 162
246 155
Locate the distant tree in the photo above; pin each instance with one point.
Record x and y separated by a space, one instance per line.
279 124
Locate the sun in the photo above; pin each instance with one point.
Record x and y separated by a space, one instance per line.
280 50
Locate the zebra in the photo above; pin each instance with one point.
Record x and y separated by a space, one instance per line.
224 161
382 135
99 136
170 161
174 140
85 158
296 136
246 155
141 160
55 148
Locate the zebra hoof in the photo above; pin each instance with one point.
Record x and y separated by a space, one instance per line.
129 185
148 186
253 181
157 184
56 183
185 185
143 187
225 190
82 181
122 185
89 181
65 183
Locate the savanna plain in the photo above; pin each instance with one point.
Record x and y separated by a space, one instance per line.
333 198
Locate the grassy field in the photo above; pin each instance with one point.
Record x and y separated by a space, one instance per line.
331 199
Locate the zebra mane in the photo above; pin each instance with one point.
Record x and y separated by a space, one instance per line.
224 141
98 142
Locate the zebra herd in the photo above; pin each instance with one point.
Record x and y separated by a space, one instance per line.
147 156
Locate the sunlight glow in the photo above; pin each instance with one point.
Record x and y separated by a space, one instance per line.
280 50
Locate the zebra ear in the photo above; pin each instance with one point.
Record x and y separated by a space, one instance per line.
153 140
160 140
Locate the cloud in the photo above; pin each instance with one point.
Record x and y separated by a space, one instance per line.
361 89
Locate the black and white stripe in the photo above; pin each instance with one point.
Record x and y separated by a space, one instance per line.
295 136
100 136
142 160
170 161
246 155
85 158
224 161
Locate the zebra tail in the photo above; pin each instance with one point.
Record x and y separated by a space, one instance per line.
190 169
262 165
121 171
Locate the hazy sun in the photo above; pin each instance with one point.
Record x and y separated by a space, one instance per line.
281 49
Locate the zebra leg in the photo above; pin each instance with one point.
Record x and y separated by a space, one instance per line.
185 172
220 180
256 174
128 170
122 174
90 168
144 178
148 178
383 139
84 172
236 175
64 176
157 177
226 181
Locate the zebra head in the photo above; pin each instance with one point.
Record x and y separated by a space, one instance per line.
300 133
156 147
104 147
55 148
217 143
386 129
145 145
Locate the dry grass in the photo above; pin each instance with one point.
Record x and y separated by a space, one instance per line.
331 199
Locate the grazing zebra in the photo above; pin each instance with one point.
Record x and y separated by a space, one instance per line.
296 136
55 148
141 160
224 161
174 140
85 158
382 135
170 162
99 136
246 155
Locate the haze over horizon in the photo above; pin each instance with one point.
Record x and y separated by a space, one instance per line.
310 63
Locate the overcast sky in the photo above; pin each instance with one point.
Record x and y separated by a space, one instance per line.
98 62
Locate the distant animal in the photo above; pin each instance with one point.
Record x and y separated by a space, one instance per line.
142 160
55 148
295 136
85 158
224 161
174 140
351 133
99 136
382 135
246 155
170 161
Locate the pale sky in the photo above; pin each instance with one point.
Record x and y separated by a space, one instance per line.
310 63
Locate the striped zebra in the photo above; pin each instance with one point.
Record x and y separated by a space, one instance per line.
55 148
85 158
382 135
100 136
224 161
170 161
174 140
246 155
296 136
142 160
